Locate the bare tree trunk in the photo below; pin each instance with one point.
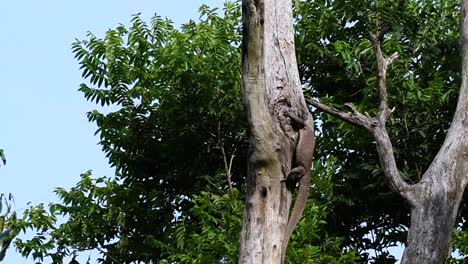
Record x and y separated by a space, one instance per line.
438 195
436 198
271 88
432 222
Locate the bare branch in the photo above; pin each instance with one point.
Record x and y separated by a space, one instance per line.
226 167
392 58
382 65
387 161
384 145
375 125
230 162
354 117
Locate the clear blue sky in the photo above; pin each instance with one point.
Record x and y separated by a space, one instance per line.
47 139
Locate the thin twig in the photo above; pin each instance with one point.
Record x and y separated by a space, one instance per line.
230 164
227 167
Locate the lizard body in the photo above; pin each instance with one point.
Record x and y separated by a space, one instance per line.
302 163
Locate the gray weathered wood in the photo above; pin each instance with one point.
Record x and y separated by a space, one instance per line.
271 88
436 198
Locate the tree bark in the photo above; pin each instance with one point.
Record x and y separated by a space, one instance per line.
438 195
436 198
432 222
271 88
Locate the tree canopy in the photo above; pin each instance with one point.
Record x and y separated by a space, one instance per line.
170 120
338 66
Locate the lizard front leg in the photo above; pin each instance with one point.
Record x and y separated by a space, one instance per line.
294 177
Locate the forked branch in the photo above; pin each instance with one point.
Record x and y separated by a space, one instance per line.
227 168
376 125
382 65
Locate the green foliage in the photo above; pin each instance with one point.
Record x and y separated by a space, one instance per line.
337 64
168 101
2 156
8 229
39 219
211 233
173 90
208 232
7 219
219 221
167 98
310 242
460 247
98 211
172 96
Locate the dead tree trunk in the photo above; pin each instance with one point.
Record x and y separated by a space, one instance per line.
271 90
435 199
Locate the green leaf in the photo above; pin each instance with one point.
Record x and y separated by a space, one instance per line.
5 234
2 156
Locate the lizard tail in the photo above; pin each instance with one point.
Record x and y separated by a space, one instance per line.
299 205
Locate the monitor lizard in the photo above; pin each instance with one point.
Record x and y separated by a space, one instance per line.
300 172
